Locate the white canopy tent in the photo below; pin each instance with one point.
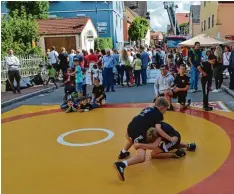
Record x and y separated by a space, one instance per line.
205 41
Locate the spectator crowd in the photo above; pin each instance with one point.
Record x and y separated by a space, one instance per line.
128 67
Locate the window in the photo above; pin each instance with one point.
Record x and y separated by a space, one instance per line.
204 25
209 23
212 21
204 3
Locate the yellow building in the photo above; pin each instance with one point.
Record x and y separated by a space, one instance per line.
216 18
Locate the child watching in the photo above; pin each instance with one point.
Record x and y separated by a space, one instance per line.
100 77
78 73
84 90
69 83
181 86
52 75
98 92
84 105
171 65
95 73
71 107
137 69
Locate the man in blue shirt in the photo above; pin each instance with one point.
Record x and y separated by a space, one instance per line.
71 57
145 62
108 62
195 59
117 59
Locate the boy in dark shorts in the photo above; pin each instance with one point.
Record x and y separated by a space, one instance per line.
181 86
137 133
160 150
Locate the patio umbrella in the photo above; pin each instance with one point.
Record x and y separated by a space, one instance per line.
205 41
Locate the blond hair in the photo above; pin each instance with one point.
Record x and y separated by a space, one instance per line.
161 102
219 54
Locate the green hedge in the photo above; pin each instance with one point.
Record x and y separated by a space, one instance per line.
103 43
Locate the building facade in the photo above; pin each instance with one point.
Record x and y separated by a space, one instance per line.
71 33
107 16
216 18
194 21
140 7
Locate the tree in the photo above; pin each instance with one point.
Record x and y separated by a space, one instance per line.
103 43
138 29
18 32
38 9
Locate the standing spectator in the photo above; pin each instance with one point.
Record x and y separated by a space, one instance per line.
145 61
137 69
124 61
231 70
85 55
226 59
69 81
108 62
117 58
79 78
80 56
178 59
12 63
195 56
52 75
92 59
171 65
53 56
63 58
206 70
84 84
71 57
218 69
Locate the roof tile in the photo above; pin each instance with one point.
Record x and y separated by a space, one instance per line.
62 26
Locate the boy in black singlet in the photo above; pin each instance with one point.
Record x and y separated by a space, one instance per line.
160 150
181 84
137 133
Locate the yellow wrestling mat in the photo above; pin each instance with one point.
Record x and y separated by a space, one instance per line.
33 162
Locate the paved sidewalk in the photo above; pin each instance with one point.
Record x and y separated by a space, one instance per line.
9 97
225 87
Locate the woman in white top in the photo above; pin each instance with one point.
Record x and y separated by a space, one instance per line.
124 61
226 57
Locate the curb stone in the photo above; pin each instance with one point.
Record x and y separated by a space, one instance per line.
27 96
228 91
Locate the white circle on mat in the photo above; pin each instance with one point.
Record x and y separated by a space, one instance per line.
61 140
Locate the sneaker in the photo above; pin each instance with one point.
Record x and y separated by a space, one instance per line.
191 146
208 108
180 153
119 167
215 91
219 90
123 155
192 91
162 146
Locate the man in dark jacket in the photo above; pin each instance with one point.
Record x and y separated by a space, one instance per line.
231 70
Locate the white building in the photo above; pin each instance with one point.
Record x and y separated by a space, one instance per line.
71 33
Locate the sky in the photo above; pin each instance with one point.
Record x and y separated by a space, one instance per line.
159 17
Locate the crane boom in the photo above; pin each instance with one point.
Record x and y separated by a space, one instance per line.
169 6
